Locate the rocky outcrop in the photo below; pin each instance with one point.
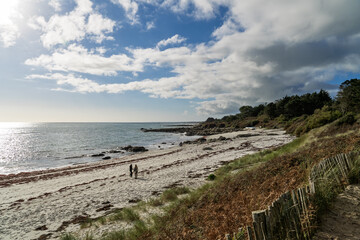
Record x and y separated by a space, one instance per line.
134 149
199 130
98 155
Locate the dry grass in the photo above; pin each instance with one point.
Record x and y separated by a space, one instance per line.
227 204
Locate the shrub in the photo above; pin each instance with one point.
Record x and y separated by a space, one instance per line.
349 119
211 177
319 118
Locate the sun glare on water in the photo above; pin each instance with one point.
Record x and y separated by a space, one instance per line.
8 9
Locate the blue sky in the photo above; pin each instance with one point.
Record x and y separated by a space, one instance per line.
168 60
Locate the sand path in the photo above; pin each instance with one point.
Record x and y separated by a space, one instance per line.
342 221
39 203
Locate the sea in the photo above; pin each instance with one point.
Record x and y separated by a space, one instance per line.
27 147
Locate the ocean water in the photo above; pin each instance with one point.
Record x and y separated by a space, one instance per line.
34 146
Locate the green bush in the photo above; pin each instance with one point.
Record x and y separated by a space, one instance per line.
320 118
349 119
211 177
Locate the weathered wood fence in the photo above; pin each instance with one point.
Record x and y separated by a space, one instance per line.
291 216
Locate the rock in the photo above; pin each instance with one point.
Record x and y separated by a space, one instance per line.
98 155
163 143
135 200
104 208
45 236
134 149
200 140
115 151
106 158
207 148
41 228
139 149
221 138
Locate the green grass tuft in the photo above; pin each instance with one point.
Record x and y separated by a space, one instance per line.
68 236
116 235
156 202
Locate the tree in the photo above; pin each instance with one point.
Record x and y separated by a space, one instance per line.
270 110
349 96
246 111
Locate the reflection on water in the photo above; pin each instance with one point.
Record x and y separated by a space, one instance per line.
30 146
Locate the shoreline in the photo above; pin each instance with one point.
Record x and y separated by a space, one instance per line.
52 197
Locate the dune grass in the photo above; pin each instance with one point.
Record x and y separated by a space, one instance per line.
260 157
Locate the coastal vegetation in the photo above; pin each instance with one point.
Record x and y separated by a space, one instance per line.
324 126
297 114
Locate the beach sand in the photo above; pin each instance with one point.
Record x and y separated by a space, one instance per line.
46 202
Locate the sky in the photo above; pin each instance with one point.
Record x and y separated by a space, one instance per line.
168 60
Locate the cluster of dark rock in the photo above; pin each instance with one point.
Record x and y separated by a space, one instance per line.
197 130
130 148
101 155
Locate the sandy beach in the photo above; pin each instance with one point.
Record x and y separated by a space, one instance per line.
44 203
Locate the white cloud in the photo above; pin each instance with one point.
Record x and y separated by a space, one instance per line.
77 58
130 8
73 26
98 26
101 50
150 25
9 31
173 40
262 51
56 5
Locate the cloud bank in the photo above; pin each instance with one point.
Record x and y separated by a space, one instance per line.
262 51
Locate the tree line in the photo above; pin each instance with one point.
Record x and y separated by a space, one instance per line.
347 100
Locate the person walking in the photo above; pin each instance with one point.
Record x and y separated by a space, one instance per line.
136 169
131 170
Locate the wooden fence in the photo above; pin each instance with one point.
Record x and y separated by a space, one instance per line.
291 215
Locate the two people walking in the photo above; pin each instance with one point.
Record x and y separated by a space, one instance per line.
135 170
